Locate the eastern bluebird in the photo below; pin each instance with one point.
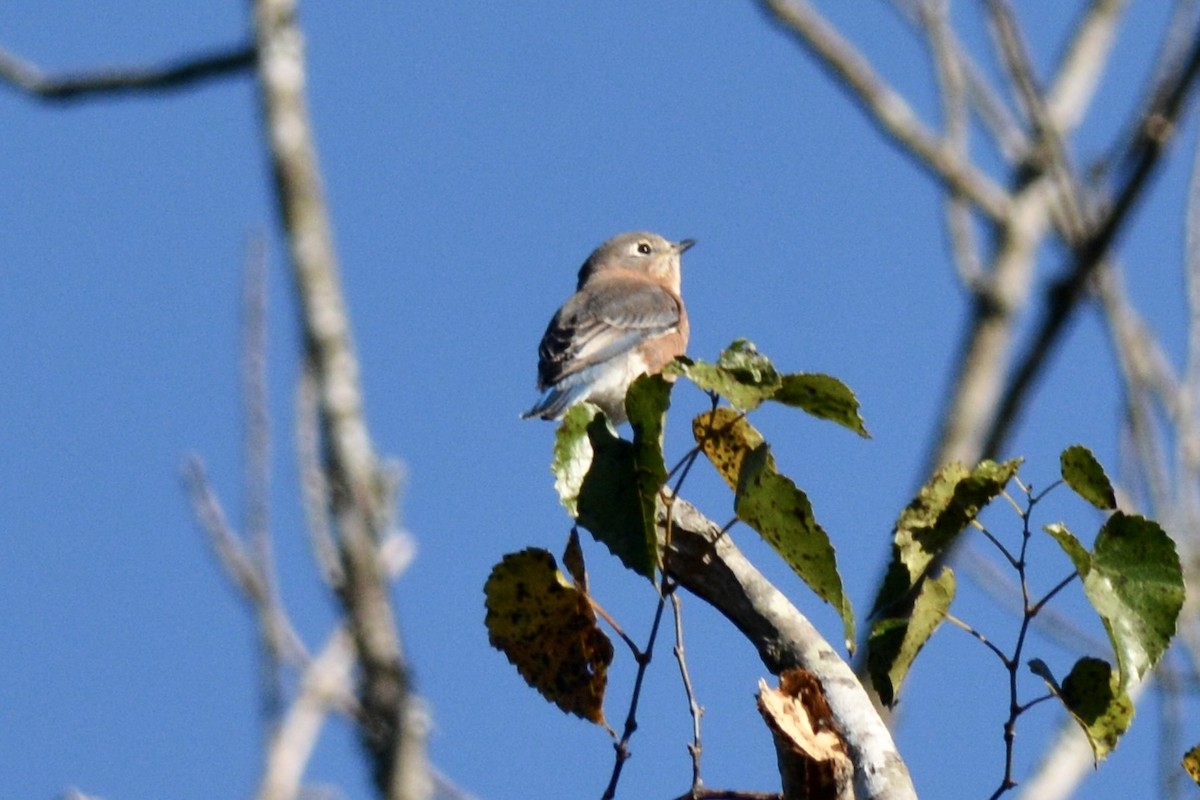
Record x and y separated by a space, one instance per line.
626 318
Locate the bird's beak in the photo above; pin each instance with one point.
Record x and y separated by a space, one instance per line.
684 244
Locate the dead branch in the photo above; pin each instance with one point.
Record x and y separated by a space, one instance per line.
178 74
885 107
711 566
1156 131
393 725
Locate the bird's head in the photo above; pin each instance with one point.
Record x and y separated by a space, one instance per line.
637 251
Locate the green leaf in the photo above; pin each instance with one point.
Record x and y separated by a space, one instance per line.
547 629
895 642
932 522
1083 473
1093 696
646 404
573 561
781 513
610 504
725 437
822 396
572 455
1039 668
742 375
1075 551
1134 581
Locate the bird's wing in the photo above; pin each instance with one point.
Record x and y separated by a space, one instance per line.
601 322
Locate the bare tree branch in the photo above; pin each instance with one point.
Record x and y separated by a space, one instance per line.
178 74
710 566
948 67
276 630
1082 63
324 684
393 727
1157 130
1011 140
1050 152
885 108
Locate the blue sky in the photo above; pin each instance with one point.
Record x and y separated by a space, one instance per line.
473 155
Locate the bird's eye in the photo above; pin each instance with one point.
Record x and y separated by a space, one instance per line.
643 248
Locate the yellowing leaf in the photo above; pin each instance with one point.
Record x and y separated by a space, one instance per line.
548 630
726 437
1191 763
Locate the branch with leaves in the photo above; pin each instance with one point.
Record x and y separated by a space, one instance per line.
822 718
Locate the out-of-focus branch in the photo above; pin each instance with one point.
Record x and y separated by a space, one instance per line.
1082 63
178 74
323 685
710 566
885 107
1050 154
1156 132
279 637
1010 138
948 67
972 417
314 487
393 724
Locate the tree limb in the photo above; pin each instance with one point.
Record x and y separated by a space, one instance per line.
178 74
1155 133
885 107
710 566
393 725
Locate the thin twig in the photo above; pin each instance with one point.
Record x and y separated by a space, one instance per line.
885 107
1036 608
1156 132
1011 140
958 623
1009 557
274 626
949 70
621 747
1059 628
696 748
604 615
178 74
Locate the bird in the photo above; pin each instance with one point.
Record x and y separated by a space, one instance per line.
625 319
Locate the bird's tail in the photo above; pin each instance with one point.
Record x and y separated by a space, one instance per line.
555 402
